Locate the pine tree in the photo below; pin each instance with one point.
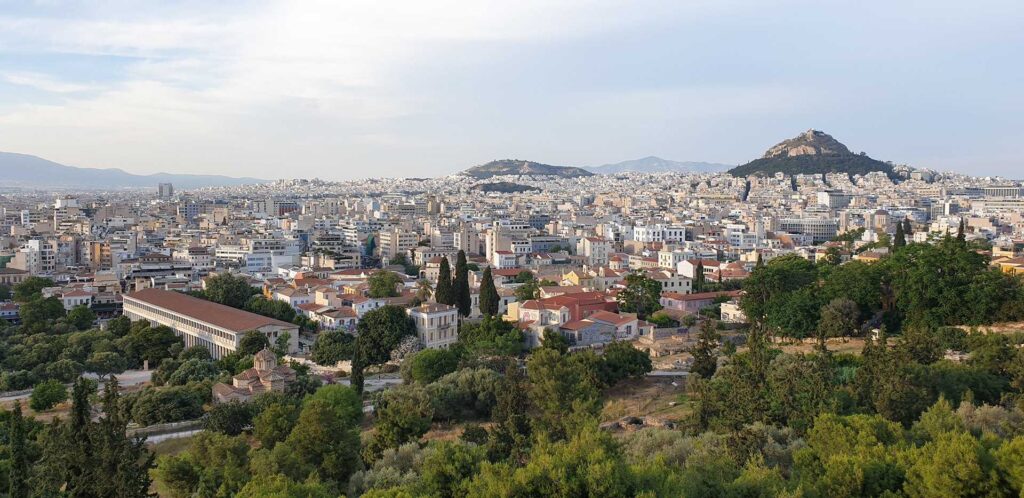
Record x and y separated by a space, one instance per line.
460 285
443 291
705 359
900 240
489 299
122 464
19 467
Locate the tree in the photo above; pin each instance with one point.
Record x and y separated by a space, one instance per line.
47 394
82 317
705 359
332 346
961 234
274 423
31 289
35 313
18 470
104 363
641 295
491 336
490 301
444 292
839 318
460 285
621 361
562 394
253 342
380 331
432 364
555 341
770 283
371 245
424 290
82 457
148 343
527 291
524 276
403 415
900 241
908 229
119 326
229 418
5 293
229 290
384 283
698 276
956 464
279 486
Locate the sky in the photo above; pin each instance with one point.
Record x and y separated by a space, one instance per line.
345 89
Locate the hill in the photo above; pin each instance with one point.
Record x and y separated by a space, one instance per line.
652 164
23 170
504 187
811 152
523 168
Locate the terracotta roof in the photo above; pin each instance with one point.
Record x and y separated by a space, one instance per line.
577 325
609 317
700 296
205 311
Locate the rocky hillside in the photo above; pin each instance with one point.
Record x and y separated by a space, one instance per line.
811 152
524 168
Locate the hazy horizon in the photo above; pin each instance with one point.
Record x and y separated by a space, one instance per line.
341 90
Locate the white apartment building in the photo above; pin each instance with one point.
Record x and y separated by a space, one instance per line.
596 250
659 233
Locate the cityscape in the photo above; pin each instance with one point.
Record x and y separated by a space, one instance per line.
309 292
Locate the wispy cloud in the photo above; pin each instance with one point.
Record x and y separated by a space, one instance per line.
411 87
45 82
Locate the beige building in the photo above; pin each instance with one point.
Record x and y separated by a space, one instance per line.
437 325
204 323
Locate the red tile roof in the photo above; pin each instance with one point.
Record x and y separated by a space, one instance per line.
205 311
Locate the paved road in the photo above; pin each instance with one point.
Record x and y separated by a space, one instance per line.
372 384
127 379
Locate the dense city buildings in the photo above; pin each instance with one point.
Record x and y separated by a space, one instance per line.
314 245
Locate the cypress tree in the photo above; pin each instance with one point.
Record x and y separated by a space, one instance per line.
123 464
961 235
908 229
18 474
900 240
705 358
489 300
460 286
443 292
698 277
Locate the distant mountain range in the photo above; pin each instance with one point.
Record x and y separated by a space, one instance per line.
23 170
523 168
652 164
810 153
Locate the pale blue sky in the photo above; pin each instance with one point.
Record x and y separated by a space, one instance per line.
342 89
